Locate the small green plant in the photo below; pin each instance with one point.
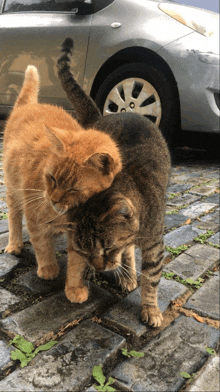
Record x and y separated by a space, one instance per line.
3 215
25 350
172 195
176 251
203 237
210 350
132 353
168 275
172 212
189 281
197 283
100 378
188 376
213 245
58 254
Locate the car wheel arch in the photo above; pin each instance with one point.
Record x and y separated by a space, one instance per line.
129 59
127 55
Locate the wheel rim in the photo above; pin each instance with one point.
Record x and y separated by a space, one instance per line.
134 95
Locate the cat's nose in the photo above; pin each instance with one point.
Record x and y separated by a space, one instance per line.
58 208
98 264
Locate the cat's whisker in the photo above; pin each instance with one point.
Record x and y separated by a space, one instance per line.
134 270
38 206
125 272
118 275
22 202
19 208
58 216
26 189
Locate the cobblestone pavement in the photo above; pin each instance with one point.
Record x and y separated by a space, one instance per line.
94 333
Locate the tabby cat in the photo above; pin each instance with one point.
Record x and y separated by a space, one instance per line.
104 231
51 164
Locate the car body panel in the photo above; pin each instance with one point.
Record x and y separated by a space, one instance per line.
148 33
36 37
197 77
40 46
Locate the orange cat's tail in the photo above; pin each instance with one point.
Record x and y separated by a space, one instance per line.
29 91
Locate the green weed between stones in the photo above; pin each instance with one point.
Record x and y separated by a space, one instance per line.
176 251
203 237
189 282
188 376
172 195
3 215
177 209
25 350
132 353
100 378
210 350
213 245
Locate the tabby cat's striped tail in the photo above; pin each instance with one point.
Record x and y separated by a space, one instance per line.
30 88
86 111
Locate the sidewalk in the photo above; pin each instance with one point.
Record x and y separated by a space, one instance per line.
94 333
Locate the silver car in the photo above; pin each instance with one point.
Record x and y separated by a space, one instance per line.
154 57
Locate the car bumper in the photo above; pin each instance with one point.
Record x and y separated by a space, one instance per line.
195 65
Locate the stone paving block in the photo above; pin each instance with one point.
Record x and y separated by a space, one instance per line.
195 179
178 178
194 262
207 379
31 283
180 347
205 301
173 220
5 354
7 263
2 191
214 239
182 235
178 188
3 205
197 209
68 365
7 299
213 199
211 173
203 190
54 312
126 313
208 222
3 226
182 200
4 238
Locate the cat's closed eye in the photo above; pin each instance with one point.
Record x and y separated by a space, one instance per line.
73 190
52 180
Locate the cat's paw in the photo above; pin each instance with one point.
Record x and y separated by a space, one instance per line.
128 284
152 316
14 249
50 271
77 295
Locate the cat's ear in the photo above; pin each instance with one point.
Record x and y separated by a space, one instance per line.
102 161
122 207
57 144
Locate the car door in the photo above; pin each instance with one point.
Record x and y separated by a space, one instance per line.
32 32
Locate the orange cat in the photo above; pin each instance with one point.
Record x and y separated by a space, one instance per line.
51 164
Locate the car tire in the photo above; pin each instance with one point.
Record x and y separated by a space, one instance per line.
144 89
